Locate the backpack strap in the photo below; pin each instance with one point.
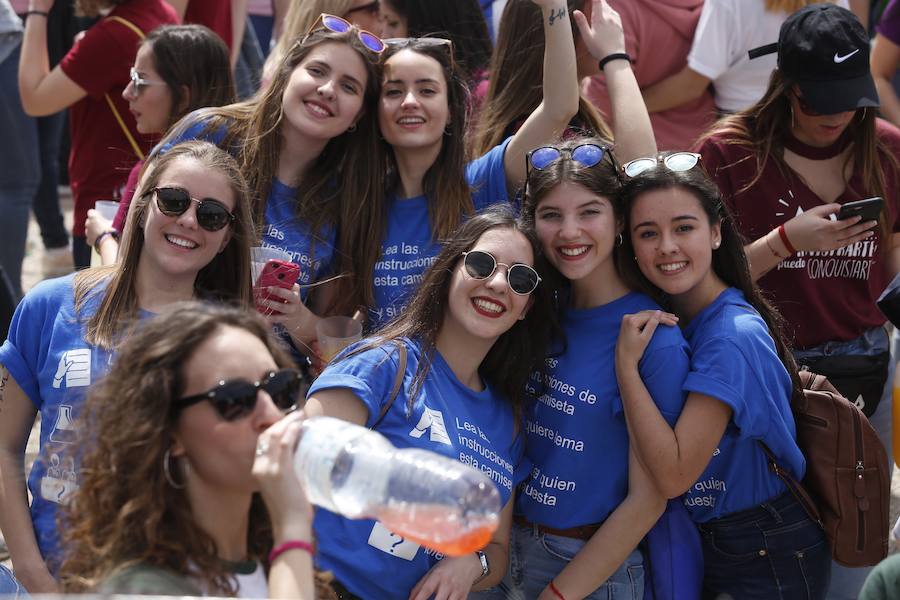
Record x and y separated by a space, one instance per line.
796 488
109 101
398 383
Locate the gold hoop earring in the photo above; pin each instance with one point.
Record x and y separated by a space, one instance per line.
167 457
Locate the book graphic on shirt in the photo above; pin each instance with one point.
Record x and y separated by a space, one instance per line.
60 480
75 368
433 421
390 543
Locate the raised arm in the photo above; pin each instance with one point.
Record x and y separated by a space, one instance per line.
619 535
684 86
560 102
43 91
17 414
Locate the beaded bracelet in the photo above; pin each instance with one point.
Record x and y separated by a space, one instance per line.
289 545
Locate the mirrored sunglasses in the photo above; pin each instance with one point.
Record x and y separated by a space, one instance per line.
677 162
522 279
236 398
212 215
586 155
338 25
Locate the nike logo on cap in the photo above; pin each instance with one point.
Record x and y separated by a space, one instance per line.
839 59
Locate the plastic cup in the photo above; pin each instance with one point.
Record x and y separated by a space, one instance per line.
335 334
107 210
260 255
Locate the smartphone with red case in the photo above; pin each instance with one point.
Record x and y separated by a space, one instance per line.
275 273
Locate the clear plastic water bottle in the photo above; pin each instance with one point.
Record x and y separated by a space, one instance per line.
422 496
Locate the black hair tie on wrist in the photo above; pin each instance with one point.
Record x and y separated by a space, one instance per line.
614 56
42 13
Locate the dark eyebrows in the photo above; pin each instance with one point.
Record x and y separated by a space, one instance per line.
417 81
674 219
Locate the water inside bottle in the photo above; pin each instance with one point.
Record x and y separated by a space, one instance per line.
436 526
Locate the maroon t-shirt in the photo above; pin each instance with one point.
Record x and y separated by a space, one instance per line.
822 295
101 155
215 14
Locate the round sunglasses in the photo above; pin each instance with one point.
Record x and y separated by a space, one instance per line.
338 25
586 155
677 162
521 279
212 215
236 398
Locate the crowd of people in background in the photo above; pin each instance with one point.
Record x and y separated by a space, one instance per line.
591 244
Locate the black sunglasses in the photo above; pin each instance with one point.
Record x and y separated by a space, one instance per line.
521 279
212 215
236 398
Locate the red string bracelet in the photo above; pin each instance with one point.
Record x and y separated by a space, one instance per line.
784 239
556 592
289 545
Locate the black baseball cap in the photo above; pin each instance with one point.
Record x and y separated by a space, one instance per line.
824 50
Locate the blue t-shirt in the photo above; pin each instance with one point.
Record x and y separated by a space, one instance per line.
447 417
47 356
733 359
577 439
282 229
409 247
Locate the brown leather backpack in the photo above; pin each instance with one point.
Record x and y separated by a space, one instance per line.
847 484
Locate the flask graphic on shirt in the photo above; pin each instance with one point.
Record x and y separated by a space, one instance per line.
422 497
60 481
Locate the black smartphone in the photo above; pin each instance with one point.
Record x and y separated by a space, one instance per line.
869 209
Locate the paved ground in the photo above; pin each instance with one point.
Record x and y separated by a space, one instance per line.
32 273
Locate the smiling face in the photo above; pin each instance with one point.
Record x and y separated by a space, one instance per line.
151 105
673 243
817 130
325 93
220 452
176 247
577 230
487 308
413 110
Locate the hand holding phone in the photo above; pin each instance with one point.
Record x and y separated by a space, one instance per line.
869 209
275 273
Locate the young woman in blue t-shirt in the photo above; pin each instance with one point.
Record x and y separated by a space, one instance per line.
473 333
422 117
681 244
579 515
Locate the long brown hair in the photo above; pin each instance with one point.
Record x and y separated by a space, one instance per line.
339 189
516 84
225 279
125 512
516 354
761 128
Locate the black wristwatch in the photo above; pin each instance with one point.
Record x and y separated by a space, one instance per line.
485 568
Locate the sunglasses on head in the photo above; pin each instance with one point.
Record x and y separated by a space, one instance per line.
236 398
586 155
677 162
434 42
212 215
521 279
338 25
140 83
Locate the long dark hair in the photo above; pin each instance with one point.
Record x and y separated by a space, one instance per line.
729 261
517 353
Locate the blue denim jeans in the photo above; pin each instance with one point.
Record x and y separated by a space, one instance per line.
536 558
9 585
19 163
846 582
773 551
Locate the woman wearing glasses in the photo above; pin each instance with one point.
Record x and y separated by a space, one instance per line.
681 244
307 145
188 236
178 69
463 351
421 115
184 432
785 166
577 532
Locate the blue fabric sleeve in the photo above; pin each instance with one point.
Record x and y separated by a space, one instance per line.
664 371
720 370
487 177
370 375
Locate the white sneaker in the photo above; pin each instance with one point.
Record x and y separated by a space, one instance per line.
57 262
